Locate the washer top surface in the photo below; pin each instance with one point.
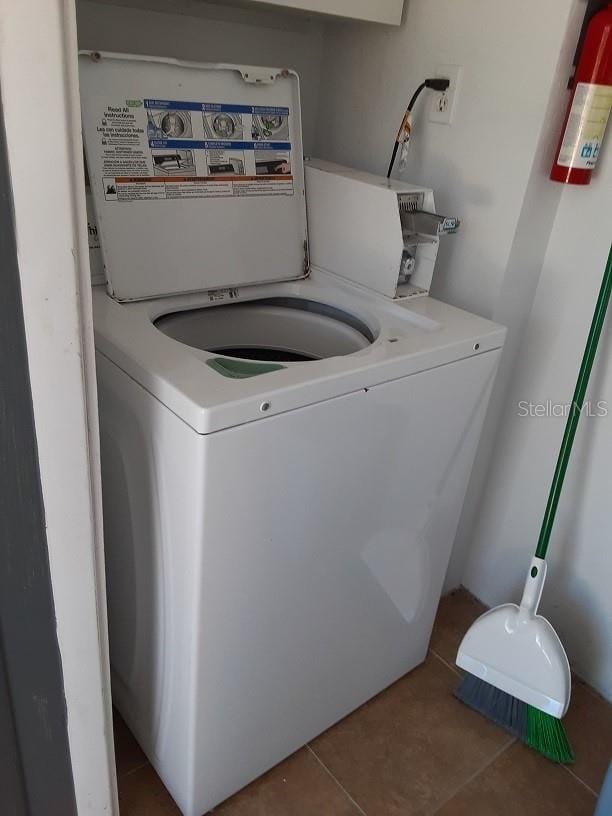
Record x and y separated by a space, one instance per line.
332 338
196 173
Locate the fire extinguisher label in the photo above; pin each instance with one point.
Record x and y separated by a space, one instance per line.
586 125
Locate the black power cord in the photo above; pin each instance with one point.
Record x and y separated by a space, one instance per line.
436 84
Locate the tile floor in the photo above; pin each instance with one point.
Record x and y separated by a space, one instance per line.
412 750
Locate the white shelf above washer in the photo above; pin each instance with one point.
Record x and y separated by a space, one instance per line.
373 11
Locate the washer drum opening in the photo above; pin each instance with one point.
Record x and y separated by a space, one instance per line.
273 329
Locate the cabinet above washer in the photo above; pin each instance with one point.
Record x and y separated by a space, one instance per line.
373 11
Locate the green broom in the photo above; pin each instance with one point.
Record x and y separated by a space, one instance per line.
518 672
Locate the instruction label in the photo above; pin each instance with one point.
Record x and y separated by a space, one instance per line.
158 149
586 126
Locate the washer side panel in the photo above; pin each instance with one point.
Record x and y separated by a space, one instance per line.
153 504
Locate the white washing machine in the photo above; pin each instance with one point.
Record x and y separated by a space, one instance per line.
286 444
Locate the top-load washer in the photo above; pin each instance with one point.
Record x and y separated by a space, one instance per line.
288 423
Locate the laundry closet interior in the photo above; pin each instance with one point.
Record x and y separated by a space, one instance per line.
303 364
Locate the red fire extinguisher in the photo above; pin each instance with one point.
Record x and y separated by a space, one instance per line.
589 108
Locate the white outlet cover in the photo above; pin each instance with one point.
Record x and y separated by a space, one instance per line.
445 117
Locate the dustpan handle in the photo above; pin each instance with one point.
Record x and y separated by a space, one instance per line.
575 409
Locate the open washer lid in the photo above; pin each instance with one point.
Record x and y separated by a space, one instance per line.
196 173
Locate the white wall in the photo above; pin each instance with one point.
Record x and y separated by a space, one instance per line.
479 166
210 33
517 289
578 596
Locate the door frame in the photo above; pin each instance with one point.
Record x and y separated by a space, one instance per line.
40 99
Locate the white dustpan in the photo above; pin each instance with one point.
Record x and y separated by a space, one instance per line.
519 652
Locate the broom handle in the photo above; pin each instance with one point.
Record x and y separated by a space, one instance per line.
575 409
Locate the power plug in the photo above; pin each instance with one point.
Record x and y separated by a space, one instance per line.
442 104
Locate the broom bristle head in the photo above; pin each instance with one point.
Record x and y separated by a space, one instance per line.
538 730
547 736
502 708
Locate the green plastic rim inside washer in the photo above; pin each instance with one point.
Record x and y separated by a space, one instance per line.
241 369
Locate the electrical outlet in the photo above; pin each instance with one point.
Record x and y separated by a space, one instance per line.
442 104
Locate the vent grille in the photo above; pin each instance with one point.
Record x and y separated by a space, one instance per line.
410 202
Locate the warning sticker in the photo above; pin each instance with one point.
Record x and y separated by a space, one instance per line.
586 125
154 149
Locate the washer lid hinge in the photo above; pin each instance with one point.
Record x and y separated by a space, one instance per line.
263 76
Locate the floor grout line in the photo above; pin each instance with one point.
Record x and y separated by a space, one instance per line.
132 770
448 665
582 782
477 773
338 783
